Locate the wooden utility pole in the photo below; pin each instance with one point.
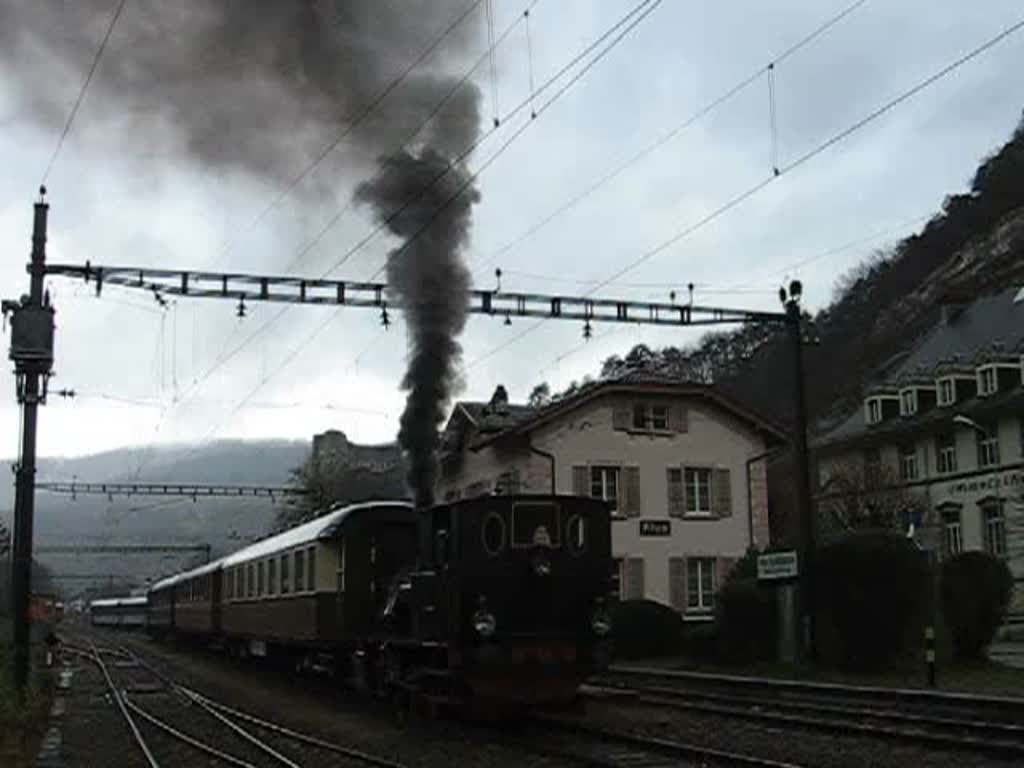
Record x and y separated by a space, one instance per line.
32 353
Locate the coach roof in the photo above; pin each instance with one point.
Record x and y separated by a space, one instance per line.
323 527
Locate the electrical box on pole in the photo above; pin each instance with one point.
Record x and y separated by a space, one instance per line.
32 330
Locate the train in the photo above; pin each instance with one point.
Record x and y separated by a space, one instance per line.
498 599
121 612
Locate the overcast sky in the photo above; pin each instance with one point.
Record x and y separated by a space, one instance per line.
118 198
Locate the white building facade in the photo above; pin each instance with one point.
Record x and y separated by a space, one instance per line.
684 469
946 430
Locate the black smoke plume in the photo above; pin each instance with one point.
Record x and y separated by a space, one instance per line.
428 277
263 86
259 86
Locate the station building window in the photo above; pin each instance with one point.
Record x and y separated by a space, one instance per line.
697 481
952 532
908 463
700 583
995 528
604 484
945 454
988 446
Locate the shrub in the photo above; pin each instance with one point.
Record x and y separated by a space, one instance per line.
645 629
870 596
746 621
976 590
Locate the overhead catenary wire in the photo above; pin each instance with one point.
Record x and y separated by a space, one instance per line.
626 28
628 20
784 170
456 87
668 136
82 91
361 115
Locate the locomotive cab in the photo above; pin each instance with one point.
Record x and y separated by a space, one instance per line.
509 599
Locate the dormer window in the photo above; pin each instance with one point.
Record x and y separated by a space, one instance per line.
650 417
874 410
946 391
988 380
908 402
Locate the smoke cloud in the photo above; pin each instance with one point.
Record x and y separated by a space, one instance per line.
260 86
263 86
428 277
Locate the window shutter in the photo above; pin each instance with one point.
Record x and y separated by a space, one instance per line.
580 481
676 500
677 583
631 494
722 493
635 578
680 418
621 416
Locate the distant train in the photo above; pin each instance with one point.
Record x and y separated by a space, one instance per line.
121 612
496 598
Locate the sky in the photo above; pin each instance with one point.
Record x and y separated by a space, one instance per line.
125 194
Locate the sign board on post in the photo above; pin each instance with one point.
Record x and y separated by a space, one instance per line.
777 566
655 527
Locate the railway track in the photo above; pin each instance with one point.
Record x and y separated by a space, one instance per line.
591 745
173 725
989 725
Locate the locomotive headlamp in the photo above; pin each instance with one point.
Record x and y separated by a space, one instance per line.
542 564
601 622
484 622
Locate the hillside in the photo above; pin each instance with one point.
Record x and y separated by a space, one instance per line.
225 524
973 247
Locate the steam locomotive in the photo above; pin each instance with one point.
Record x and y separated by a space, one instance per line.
495 598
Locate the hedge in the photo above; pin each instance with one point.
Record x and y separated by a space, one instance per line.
976 589
645 629
746 621
870 597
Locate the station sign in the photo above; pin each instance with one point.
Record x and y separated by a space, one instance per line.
777 566
655 527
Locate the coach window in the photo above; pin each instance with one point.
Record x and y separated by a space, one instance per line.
272 576
341 566
284 574
250 579
300 570
259 579
311 569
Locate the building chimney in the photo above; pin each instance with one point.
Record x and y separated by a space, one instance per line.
500 397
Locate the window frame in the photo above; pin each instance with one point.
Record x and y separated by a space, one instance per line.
945 455
874 410
648 421
994 517
691 492
705 602
285 561
988 380
940 387
604 470
299 571
988 448
909 465
952 532
908 402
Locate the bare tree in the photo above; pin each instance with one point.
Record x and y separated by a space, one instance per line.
859 498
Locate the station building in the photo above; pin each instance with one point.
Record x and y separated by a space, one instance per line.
944 431
683 467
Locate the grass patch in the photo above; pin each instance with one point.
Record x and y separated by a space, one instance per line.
23 720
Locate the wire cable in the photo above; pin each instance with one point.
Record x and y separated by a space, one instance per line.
469 180
801 160
668 136
365 112
85 87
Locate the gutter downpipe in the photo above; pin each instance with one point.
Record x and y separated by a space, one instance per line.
750 494
547 455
